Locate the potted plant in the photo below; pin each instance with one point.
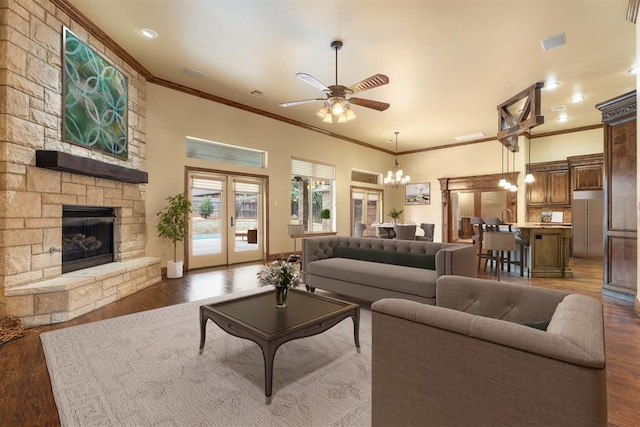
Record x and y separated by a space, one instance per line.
395 215
173 226
325 215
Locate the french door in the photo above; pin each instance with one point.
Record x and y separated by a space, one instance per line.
366 209
227 222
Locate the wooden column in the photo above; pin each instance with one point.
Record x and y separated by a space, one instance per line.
620 258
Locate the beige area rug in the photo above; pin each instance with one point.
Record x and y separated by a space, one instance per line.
144 369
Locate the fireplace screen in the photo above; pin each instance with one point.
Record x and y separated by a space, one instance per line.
87 237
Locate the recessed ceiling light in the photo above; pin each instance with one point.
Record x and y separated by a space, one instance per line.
633 70
148 33
563 118
551 85
577 98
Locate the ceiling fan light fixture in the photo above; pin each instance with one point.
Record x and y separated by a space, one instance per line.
337 105
349 114
322 113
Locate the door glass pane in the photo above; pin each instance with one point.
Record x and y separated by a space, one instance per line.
246 216
462 209
374 209
357 201
366 209
206 216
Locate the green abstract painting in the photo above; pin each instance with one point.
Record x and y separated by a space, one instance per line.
94 100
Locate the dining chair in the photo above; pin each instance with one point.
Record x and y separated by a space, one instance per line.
428 232
405 231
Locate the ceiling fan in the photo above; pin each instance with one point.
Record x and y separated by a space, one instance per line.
337 107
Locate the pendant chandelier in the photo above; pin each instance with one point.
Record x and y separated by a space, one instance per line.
395 177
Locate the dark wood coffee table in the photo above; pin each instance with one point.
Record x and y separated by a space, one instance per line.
256 318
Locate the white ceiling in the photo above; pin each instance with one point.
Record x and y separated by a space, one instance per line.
450 63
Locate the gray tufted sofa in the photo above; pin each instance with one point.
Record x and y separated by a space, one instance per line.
371 268
482 357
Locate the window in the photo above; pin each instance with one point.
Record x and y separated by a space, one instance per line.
218 152
312 195
365 177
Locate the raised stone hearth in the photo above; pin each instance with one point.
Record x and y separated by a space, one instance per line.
79 292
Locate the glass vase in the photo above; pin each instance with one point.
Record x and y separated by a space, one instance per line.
281 296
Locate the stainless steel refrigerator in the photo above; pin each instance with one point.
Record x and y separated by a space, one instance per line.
587 213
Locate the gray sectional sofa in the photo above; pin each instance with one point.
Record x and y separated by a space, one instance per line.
489 354
371 269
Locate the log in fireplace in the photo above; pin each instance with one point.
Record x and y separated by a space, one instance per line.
87 237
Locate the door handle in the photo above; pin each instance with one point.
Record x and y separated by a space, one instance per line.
232 222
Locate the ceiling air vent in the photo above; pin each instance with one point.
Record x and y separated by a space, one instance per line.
193 73
558 108
554 42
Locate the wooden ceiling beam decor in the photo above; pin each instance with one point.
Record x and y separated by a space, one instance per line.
518 115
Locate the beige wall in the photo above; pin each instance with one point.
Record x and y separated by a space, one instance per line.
172 116
560 147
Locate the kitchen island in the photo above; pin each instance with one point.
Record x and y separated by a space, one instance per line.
549 248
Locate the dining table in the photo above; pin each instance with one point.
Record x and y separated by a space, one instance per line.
388 228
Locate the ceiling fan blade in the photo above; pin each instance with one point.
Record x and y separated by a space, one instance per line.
303 101
376 105
308 78
373 81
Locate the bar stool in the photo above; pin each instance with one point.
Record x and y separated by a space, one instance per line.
477 225
500 242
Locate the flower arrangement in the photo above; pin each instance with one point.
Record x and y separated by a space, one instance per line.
280 274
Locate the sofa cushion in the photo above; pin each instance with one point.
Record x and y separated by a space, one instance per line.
409 280
387 257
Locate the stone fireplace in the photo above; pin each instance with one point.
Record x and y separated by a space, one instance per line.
41 176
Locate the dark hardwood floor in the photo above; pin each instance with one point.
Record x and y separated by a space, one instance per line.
26 398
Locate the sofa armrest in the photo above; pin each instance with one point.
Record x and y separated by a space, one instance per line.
457 260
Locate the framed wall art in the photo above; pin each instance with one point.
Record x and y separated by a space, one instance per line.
95 98
418 194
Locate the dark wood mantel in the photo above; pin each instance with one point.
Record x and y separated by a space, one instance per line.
65 162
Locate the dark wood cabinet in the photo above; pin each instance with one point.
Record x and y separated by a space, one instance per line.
551 186
620 263
587 172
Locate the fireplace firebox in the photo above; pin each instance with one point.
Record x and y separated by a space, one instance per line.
87 237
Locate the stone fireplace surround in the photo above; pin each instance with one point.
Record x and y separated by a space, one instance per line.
32 286
69 295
